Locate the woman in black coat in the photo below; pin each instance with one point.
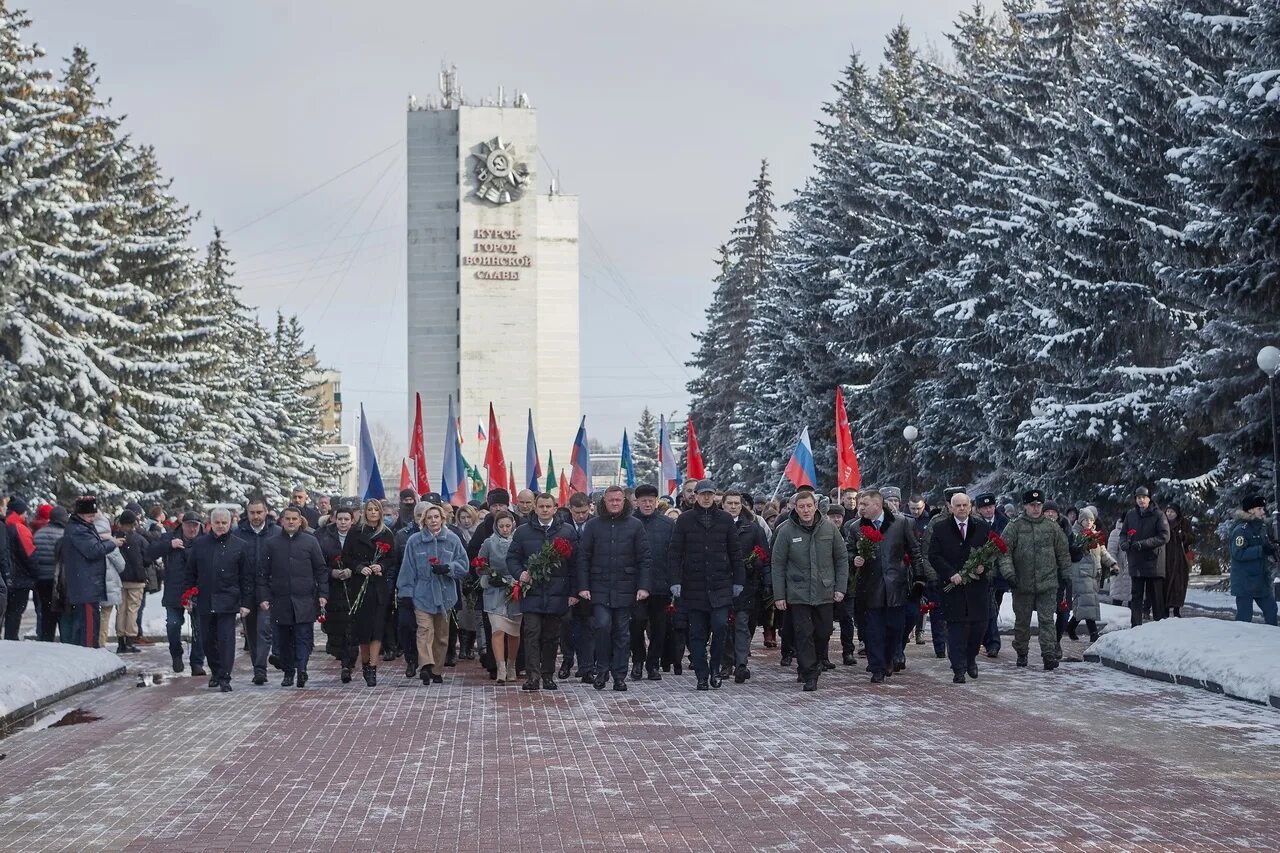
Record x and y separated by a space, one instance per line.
1177 567
368 546
337 625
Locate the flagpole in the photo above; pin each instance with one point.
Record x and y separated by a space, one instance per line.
783 478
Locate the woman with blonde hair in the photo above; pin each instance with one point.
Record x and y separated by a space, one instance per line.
504 615
367 546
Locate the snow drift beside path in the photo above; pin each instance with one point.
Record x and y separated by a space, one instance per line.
31 671
1113 618
1242 657
1207 599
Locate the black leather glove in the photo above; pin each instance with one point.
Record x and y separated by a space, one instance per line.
440 569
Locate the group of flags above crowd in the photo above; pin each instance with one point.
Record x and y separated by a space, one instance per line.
461 481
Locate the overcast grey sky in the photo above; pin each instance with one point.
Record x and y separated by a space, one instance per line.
656 114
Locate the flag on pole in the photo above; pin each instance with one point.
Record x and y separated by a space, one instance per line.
370 485
532 464
511 478
480 436
580 461
494 460
666 459
551 475
418 451
406 480
800 470
564 489
848 475
694 466
453 485
628 465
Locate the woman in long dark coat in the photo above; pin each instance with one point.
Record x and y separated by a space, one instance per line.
369 543
1177 569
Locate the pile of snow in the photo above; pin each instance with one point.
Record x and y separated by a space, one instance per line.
1206 599
1113 618
1243 658
31 671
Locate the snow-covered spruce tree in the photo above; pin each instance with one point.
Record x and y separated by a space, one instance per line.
746 265
1231 269
300 436
795 345
644 449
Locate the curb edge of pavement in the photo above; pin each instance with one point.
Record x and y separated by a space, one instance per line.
10 721
1183 680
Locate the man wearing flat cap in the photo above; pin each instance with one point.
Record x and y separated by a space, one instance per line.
1143 536
1038 559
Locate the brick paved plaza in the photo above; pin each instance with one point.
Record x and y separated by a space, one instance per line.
1082 759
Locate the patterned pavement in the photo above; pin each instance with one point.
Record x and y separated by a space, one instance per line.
1081 759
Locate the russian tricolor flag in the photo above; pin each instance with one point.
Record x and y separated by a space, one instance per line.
800 470
580 461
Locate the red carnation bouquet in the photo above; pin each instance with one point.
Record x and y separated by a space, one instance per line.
927 606
984 555
188 599
1087 540
382 547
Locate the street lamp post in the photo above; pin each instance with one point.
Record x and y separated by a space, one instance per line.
1269 362
910 433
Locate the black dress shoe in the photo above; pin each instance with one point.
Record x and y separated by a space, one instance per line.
973 670
259 677
287 681
410 670
345 675
993 653
436 678
958 678
849 659
225 686
637 672
197 670
827 666
939 654
654 675
550 684
620 686
899 665
877 678
741 674
275 661
1022 658
715 680
214 681
811 684
531 684
702 683
564 672
425 674
600 681
1071 632
371 676
582 673
787 660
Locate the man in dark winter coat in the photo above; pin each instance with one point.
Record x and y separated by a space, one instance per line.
219 567
966 604
885 581
256 530
577 637
408 500
651 613
22 568
706 575
614 572
1251 551
174 548
406 622
987 511
292 581
1143 537
751 543
84 563
48 541
310 513
543 605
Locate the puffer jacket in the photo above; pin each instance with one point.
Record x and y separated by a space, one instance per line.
1084 582
115 567
810 563
1250 553
616 562
432 593
659 529
1039 557
705 558
552 596
46 541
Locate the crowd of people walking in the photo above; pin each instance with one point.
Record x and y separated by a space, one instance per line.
616 588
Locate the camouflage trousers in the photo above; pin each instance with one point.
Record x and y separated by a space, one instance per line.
1045 606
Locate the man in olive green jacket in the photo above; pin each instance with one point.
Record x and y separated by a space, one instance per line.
1038 558
810 573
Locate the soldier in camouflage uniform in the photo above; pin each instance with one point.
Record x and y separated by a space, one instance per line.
1038 558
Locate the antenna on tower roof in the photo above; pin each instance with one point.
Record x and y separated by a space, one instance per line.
450 91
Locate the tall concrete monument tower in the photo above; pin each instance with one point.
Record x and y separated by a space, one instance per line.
492 278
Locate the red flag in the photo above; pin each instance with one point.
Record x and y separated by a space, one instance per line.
493 458
405 481
848 475
564 489
511 480
418 451
696 470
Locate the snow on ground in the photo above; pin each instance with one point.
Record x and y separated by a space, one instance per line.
1210 600
1243 657
31 671
1113 618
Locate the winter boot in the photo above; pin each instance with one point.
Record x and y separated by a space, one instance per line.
426 674
637 672
620 686
302 678
550 684
811 683
653 674
741 674
1050 663
1071 629
287 681
849 659
274 660
196 670
703 684
958 678
345 676
601 679
410 670
566 669
1022 658
532 683
178 666
259 676
371 675
121 648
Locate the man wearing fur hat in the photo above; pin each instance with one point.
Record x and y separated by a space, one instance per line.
1251 552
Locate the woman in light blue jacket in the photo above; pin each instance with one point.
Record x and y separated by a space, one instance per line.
434 561
504 615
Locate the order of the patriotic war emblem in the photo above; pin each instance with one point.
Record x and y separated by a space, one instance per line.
500 177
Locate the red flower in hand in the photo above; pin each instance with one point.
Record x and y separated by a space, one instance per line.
760 553
1064 606
382 547
1133 531
479 563
997 540
435 561
874 535
563 547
